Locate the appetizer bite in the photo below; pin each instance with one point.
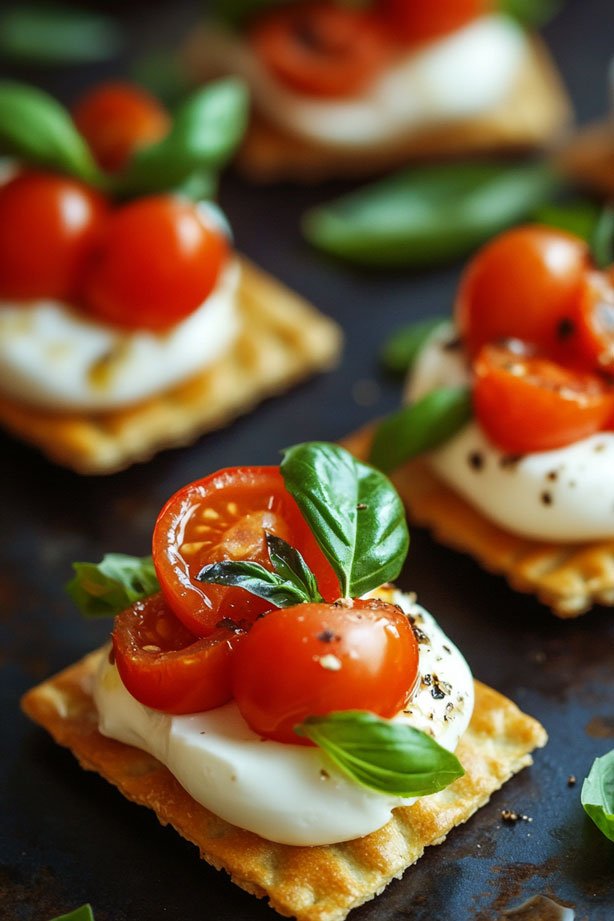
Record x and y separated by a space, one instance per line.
267 692
344 89
512 408
128 322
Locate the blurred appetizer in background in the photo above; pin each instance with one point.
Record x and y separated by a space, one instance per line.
128 323
589 158
309 728
506 447
343 89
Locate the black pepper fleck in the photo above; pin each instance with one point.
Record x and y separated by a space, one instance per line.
509 461
546 498
421 636
475 460
327 636
452 345
553 476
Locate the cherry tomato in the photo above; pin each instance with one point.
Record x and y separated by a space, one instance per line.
116 119
525 284
312 659
166 667
321 49
224 516
48 227
156 262
591 330
526 403
417 21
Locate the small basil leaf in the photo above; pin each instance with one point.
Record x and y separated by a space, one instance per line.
206 130
421 427
109 587
84 913
49 34
597 795
579 217
430 215
235 13
255 579
290 565
163 75
38 130
354 512
531 13
403 347
602 239
387 756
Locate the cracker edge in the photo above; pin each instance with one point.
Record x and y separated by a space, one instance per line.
315 883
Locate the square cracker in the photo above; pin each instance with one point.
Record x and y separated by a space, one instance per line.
282 340
569 578
310 883
535 113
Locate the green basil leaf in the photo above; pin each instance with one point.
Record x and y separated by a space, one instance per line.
163 74
597 795
421 427
206 130
579 217
354 512
109 587
50 34
290 565
430 215
384 755
84 913
235 13
254 578
602 239
38 130
531 13
403 347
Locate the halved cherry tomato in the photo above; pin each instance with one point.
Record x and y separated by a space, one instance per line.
321 49
48 227
526 403
156 262
591 329
312 659
117 119
417 21
525 284
166 667
224 516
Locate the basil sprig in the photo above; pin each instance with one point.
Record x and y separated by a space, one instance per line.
83 913
383 755
291 582
597 795
403 347
584 219
602 239
105 589
38 130
430 215
420 427
354 513
531 13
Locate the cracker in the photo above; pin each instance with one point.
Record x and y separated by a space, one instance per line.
310 883
283 339
589 158
569 578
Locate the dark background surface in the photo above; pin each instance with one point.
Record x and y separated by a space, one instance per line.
66 836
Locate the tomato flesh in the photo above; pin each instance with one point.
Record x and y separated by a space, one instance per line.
418 21
166 667
49 225
526 403
117 119
157 261
592 326
312 659
225 516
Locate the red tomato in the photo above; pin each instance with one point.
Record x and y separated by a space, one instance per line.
591 330
48 227
527 403
116 119
156 262
321 49
417 21
312 659
166 667
525 284
224 517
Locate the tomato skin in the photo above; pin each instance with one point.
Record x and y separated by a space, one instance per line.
418 21
49 225
117 119
157 261
525 284
279 678
592 326
321 49
527 404
166 667
224 516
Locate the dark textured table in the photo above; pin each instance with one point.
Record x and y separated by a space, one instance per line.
66 836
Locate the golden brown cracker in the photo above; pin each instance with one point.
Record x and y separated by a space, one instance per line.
589 157
310 883
283 339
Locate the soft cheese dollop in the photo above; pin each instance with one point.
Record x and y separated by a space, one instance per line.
455 77
561 495
287 793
